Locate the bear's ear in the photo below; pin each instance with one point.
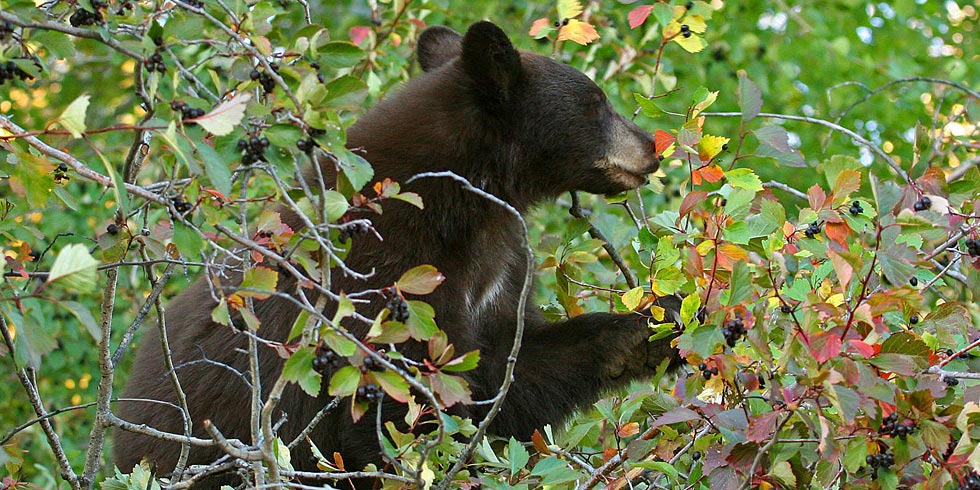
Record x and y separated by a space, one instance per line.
491 62
436 46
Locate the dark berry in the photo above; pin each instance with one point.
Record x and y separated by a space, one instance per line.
914 282
689 5
787 309
950 381
914 319
372 364
304 145
254 75
696 455
922 204
856 208
112 229
398 308
62 167
369 393
564 22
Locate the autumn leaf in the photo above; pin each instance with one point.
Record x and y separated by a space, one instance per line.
710 173
639 15
222 120
578 31
420 280
710 146
662 140
359 33
541 28
569 8
73 117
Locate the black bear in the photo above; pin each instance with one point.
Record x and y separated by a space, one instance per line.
520 126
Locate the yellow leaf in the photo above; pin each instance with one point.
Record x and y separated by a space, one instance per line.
569 8
578 31
692 44
631 299
73 119
710 146
706 246
695 23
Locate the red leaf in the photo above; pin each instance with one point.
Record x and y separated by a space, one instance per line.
538 26
675 415
761 427
825 346
639 15
539 443
710 173
691 200
863 348
838 232
662 140
817 197
358 33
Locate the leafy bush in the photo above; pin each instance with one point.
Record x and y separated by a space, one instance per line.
828 227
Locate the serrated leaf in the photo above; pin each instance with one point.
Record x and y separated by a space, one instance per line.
639 15
633 297
518 456
744 178
259 279
335 205
749 97
569 8
710 146
299 369
357 170
421 320
411 198
422 279
220 314
73 118
339 54
74 267
847 181
345 381
222 119
450 389
709 173
578 31
393 384
541 28
466 362
689 308
650 109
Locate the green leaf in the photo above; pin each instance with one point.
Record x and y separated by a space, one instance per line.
554 471
74 267
632 298
357 170
740 285
421 320
450 389
518 456
411 198
744 178
648 106
299 369
283 135
338 343
335 205
188 242
345 381
346 92
85 317
220 314
749 97
466 362
339 54
689 308
215 166
259 279
422 279
393 384
73 118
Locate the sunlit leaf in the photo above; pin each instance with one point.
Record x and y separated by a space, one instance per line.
578 31
73 117
709 173
223 118
422 279
710 146
260 281
74 267
541 28
639 15
569 8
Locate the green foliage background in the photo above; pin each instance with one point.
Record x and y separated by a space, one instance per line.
814 59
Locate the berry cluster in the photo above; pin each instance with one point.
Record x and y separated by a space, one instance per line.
922 204
253 149
6 29
812 230
707 373
82 17
199 4
181 205
398 308
890 426
10 71
856 208
326 359
951 381
880 460
155 63
685 30
61 174
370 392
186 111
306 146
371 364
971 482
733 330
264 78
352 229
973 247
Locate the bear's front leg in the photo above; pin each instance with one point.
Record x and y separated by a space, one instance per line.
567 365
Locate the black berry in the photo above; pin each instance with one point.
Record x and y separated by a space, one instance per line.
914 319
856 208
398 308
812 229
914 282
787 309
696 455
112 229
922 204
950 381
369 393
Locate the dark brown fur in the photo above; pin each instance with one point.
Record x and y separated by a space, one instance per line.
520 126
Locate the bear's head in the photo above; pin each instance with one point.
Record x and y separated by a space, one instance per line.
553 121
